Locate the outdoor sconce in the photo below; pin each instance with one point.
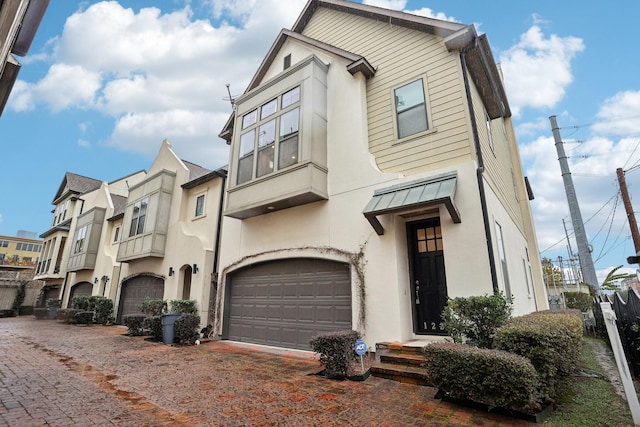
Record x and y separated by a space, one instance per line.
195 268
106 279
170 271
95 280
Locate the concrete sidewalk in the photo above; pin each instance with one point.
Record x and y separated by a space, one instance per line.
64 375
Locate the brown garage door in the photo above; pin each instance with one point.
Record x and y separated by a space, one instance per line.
284 303
135 290
84 289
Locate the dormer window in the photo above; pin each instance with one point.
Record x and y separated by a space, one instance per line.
260 144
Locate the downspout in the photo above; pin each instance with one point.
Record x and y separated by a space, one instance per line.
216 255
480 169
64 286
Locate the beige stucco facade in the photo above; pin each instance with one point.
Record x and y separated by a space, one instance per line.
364 155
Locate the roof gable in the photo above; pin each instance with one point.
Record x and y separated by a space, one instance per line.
75 184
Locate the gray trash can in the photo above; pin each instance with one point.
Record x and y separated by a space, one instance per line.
168 324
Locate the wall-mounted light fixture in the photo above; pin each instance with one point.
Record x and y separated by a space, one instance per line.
106 279
95 280
195 268
170 271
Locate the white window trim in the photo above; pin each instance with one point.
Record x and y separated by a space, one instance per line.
431 128
204 205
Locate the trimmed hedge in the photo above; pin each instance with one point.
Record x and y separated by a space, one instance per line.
134 324
496 378
474 319
187 328
40 313
336 351
183 306
551 340
83 317
25 310
153 307
154 325
67 315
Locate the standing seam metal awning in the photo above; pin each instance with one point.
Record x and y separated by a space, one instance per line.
421 193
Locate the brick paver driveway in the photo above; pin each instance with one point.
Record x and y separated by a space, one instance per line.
63 375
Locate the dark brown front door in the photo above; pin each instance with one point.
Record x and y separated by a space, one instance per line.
428 279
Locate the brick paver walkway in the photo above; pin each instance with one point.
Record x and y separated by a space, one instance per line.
53 374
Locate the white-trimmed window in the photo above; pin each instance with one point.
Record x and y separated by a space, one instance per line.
78 246
503 260
116 234
487 120
200 205
410 109
269 140
138 217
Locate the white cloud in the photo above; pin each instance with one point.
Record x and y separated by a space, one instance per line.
429 13
537 69
158 75
619 115
387 4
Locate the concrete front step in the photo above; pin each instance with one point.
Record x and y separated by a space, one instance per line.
404 374
401 361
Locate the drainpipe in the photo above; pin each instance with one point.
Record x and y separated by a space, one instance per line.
216 254
480 169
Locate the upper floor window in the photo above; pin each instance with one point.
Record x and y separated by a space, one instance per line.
411 109
78 246
200 205
271 142
116 234
490 133
138 217
4 243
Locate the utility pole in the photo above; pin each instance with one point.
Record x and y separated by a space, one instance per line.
635 235
584 254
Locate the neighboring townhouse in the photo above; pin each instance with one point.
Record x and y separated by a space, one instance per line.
74 252
19 253
374 173
148 235
169 235
19 22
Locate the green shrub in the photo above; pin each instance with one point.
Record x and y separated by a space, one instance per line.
187 328
134 324
579 301
84 317
153 307
552 341
54 302
81 302
67 315
40 313
493 377
21 292
25 310
103 308
154 325
336 351
183 306
475 319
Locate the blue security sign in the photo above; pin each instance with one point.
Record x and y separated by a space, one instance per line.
360 347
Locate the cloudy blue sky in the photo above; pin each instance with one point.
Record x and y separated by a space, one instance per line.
106 81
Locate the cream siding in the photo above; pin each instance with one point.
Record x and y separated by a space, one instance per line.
392 51
499 172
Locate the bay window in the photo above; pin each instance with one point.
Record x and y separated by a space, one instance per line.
260 144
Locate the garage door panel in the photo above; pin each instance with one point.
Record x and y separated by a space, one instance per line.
135 290
285 303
